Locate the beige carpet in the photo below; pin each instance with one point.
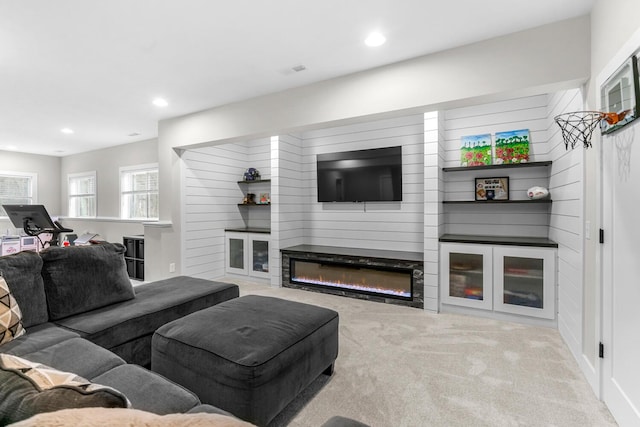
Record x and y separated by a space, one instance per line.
400 366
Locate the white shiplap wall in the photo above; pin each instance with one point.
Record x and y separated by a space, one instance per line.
211 197
385 226
433 196
287 197
500 220
566 186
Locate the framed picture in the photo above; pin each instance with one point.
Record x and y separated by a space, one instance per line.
512 147
492 188
264 199
619 94
475 150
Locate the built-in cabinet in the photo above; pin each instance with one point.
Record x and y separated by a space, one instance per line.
247 253
134 256
500 278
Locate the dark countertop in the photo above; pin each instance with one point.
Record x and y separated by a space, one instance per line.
250 230
541 242
369 253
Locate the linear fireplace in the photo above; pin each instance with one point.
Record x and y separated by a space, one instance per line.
391 277
388 282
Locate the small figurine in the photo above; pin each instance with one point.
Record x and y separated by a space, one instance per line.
249 199
251 174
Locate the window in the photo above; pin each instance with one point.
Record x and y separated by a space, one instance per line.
17 188
139 192
82 195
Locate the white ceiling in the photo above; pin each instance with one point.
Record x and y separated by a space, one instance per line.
95 65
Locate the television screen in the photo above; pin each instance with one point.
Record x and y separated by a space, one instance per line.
360 176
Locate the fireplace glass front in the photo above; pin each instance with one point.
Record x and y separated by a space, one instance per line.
372 280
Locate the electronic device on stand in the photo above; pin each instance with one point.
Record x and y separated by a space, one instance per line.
35 220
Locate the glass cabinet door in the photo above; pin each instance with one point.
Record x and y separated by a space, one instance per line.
525 281
236 253
259 256
466 275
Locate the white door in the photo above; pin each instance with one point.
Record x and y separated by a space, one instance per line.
621 274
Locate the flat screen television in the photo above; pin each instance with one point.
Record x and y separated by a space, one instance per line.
373 175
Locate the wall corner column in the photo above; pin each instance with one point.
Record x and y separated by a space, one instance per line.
433 158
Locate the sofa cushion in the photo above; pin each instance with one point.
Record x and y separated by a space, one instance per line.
82 278
77 355
118 327
30 388
149 391
22 273
38 337
10 315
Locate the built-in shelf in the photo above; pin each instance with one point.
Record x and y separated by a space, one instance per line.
503 166
541 242
250 230
254 204
490 202
255 181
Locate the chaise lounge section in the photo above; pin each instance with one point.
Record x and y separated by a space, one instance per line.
78 304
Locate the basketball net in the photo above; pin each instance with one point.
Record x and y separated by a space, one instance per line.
623 142
578 126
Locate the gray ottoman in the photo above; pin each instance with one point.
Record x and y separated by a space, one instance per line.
250 356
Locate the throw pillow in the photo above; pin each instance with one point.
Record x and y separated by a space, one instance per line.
78 279
10 314
30 388
23 272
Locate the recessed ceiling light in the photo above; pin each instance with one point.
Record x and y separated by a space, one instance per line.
11 147
67 131
133 134
160 102
375 39
299 68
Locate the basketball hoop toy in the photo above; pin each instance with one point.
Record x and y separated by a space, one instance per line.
578 126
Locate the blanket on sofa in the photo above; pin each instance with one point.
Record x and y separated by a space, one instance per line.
118 417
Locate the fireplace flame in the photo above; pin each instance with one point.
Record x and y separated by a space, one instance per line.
364 287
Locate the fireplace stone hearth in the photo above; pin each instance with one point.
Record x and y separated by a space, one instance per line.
400 280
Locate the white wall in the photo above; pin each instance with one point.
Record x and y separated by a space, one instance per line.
371 225
555 55
106 163
211 196
506 219
434 152
288 196
615 34
613 22
566 219
47 169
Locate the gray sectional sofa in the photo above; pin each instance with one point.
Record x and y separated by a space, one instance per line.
82 315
